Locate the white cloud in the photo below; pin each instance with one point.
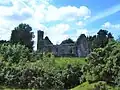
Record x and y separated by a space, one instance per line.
15 12
5 29
47 12
81 24
106 25
57 33
78 33
66 13
43 11
109 25
5 11
37 13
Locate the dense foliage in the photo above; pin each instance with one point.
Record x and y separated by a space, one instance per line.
104 64
14 53
19 68
100 40
23 35
4 41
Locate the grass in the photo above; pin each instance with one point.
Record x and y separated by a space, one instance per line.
64 61
87 86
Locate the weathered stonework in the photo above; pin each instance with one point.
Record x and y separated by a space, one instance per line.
79 49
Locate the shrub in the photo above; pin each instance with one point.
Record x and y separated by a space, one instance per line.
71 76
104 64
101 86
21 69
14 53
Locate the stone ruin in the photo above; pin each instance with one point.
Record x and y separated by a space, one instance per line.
78 49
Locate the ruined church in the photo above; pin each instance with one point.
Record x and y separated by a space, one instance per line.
80 48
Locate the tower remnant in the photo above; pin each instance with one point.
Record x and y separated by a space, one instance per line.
40 40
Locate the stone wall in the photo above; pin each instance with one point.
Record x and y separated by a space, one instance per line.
79 48
82 46
61 50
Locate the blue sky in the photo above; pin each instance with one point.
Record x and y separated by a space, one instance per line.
60 19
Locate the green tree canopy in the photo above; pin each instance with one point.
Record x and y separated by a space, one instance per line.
100 40
23 35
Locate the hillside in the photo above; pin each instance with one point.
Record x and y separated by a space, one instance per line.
94 86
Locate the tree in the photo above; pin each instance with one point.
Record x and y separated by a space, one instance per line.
100 40
23 35
3 41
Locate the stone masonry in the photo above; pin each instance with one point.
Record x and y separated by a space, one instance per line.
79 49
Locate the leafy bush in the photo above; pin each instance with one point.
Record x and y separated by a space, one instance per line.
104 64
14 53
71 77
101 86
33 75
21 69
30 75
